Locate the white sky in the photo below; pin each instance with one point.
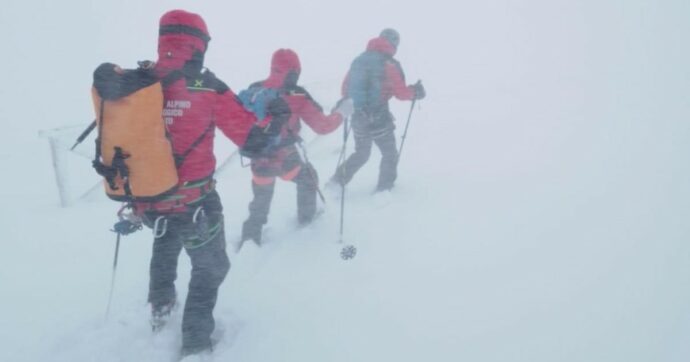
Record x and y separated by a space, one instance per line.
559 106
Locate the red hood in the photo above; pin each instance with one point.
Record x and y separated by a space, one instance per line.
181 34
284 62
381 45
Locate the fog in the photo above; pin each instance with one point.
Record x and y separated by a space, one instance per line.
541 212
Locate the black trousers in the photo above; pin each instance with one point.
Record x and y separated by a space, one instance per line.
306 182
203 238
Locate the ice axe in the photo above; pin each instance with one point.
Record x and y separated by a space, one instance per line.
83 135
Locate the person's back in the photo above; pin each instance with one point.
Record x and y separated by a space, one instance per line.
285 161
366 80
195 103
194 106
195 100
373 79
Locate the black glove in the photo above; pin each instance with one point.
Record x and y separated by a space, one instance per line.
419 92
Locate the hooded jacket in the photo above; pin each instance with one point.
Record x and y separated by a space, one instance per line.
195 101
285 70
393 84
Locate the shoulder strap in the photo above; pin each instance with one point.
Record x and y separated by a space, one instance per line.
300 91
222 88
179 159
257 99
171 78
212 82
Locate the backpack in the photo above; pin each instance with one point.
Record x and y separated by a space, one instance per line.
272 113
133 152
365 81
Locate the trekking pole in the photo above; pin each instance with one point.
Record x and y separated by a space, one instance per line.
112 279
83 135
348 251
127 224
342 211
407 126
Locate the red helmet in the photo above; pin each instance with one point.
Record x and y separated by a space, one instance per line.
285 68
181 36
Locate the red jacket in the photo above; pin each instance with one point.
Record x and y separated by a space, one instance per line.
196 102
194 107
285 69
303 107
394 82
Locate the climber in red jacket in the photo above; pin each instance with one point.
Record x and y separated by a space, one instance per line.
285 160
195 104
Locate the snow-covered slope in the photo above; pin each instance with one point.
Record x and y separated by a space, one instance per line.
541 212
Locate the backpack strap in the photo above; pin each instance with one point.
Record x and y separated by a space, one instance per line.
301 91
171 78
117 166
256 99
209 81
121 168
106 172
179 159
219 86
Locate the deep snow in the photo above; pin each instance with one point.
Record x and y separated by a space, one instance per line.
541 212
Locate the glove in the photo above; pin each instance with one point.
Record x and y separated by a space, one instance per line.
345 107
419 92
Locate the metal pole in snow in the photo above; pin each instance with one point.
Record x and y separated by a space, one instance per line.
60 179
348 251
112 279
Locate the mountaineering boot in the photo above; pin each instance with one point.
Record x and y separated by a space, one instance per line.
381 188
333 188
304 220
197 354
251 230
160 314
307 182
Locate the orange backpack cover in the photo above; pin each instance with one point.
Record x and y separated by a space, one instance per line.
131 132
